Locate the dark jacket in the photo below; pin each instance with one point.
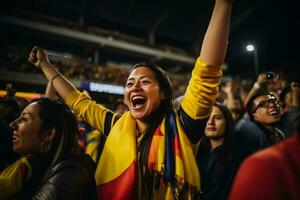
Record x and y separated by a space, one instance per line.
290 120
251 137
216 175
70 179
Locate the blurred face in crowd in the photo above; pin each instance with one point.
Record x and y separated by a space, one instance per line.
142 93
216 124
237 104
236 110
27 138
266 110
121 108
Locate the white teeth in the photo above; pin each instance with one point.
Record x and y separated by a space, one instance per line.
137 97
15 137
273 112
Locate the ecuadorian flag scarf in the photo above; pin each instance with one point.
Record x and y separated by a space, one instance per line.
170 156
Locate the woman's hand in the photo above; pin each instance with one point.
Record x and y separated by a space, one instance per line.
38 57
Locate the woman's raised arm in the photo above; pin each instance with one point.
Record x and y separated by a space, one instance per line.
39 58
206 76
215 40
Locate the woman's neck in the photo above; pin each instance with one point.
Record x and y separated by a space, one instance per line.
216 143
153 120
141 126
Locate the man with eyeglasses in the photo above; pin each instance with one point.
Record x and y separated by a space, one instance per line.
262 130
265 111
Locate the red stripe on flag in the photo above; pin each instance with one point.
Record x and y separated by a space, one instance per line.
158 132
176 146
120 188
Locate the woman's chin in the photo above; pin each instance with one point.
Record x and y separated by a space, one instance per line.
137 116
17 150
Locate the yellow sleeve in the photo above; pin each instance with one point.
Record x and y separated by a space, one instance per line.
13 177
93 142
89 110
202 90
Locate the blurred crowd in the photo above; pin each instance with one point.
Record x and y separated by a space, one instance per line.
15 59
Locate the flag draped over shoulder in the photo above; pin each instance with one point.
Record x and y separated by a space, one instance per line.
170 156
12 178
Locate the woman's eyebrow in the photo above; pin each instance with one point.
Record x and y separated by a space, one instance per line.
217 115
141 77
26 113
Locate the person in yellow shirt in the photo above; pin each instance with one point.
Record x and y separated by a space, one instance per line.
147 153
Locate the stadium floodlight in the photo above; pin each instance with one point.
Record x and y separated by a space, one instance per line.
252 48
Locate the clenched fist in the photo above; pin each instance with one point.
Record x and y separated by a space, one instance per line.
38 56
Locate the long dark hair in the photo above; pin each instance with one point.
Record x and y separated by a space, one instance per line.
54 114
205 145
156 118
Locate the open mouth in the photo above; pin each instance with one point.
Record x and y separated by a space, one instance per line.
138 101
15 138
273 112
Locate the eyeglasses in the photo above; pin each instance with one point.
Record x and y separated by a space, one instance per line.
266 103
